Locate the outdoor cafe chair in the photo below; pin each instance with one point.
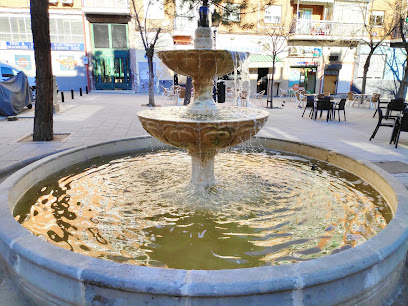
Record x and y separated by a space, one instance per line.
396 105
170 94
381 123
283 93
323 105
300 98
338 107
374 99
401 125
258 97
351 98
310 102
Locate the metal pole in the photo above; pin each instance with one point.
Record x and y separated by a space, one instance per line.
80 91
62 96
72 94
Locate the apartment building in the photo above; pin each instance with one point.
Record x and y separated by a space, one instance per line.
97 42
68 43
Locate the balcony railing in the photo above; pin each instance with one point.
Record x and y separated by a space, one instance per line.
110 7
185 23
328 28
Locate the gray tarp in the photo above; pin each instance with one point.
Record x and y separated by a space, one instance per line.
15 93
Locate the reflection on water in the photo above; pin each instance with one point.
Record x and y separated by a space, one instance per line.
267 209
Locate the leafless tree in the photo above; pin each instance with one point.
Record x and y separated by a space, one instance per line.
149 35
275 44
377 30
40 26
401 29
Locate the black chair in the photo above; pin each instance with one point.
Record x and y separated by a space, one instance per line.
338 107
400 126
381 123
385 103
309 104
323 105
396 105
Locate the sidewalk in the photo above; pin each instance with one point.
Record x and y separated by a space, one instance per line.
100 117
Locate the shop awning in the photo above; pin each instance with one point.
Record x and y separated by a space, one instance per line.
260 58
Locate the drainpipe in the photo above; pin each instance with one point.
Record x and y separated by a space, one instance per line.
86 51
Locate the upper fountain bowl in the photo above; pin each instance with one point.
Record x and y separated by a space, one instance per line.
201 63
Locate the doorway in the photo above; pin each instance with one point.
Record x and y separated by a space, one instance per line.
305 21
262 83
111 67
330 84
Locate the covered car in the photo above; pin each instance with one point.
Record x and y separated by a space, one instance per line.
15 94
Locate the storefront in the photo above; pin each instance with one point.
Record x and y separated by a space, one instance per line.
304 63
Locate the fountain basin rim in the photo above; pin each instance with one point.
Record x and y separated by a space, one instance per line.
260 114
19 248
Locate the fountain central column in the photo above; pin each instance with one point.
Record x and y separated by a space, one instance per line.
202 168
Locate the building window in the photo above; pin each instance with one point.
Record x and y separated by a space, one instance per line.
62 29
231 12
154 9
109 36
273 13
377 19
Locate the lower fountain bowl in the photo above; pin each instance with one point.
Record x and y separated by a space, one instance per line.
368 274
226 127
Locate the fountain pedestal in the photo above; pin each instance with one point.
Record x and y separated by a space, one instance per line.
202 128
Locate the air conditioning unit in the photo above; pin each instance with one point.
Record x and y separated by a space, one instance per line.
67 1
53 1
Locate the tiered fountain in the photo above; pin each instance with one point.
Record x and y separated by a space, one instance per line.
202 128
368 274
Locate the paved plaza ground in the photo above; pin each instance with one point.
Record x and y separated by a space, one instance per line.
100 117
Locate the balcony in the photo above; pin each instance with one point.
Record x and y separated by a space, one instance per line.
106 7
323 29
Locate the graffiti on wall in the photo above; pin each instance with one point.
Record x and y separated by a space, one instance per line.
23 61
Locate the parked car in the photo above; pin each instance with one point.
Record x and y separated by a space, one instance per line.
7 71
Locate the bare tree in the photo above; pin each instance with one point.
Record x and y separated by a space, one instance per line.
401 29
377 30
276 43
40 26
149 35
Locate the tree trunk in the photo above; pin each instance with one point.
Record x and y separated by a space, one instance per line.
151 78
40 25
273 78
366 66
404 82
189 86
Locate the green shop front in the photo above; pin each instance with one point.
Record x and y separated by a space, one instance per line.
110 58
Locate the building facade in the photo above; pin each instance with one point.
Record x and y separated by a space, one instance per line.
97 43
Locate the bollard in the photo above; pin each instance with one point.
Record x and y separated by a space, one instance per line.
80 91
72 94
62 96
86 89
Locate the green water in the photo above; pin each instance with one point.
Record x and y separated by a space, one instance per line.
268 208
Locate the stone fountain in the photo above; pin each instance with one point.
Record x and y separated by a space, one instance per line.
368 274
202 128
